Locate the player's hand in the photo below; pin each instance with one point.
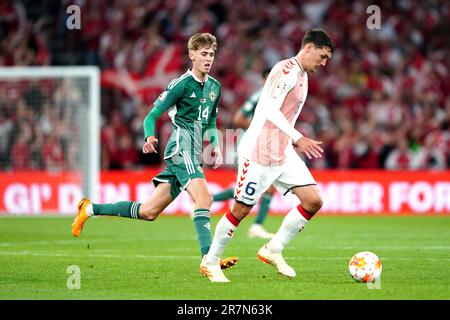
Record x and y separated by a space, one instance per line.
150 145
217 154
309 147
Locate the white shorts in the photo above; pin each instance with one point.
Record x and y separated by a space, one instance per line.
254 179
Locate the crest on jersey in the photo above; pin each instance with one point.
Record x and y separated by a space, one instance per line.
212 95
280 88
162 96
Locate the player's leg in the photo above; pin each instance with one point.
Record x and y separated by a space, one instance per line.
86 209
224 195
198 190
249 187
257 229
157 202
297 179
224 231
298 217
292 225
227 194
191 178
149 210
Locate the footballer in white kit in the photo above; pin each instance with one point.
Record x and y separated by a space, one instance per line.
268 154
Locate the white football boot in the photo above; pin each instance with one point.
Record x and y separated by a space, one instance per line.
277 261
212 271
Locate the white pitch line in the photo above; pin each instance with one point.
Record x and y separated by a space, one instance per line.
138 256
375 247
94 241
81 242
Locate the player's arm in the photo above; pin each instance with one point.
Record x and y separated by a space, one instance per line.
240 121
166 99
243 116
212 134
278 89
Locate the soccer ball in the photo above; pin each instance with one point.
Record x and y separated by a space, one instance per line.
365 266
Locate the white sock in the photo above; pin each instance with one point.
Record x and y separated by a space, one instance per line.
222 235
292 224
90 210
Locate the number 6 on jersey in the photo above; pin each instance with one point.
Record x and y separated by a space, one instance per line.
250 188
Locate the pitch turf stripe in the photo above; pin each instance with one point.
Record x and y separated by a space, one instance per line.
322 248
140 256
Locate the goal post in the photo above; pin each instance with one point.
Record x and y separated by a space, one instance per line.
56 110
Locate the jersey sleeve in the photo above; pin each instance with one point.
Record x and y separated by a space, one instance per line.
166 99
278 85
248 108
212 125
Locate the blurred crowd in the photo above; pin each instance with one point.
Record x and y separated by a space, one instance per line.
383 100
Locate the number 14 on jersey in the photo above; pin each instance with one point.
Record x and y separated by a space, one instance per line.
203 114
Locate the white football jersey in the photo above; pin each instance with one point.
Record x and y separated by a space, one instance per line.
271 133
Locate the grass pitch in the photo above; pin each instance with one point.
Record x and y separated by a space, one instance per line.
129 259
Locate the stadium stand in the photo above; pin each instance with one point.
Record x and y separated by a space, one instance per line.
383 102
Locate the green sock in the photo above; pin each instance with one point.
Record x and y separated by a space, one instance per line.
263 208
203 227
126 209
224 195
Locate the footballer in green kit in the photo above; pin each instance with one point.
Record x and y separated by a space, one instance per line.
192 102
192 107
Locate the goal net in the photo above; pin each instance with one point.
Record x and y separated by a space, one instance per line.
49 138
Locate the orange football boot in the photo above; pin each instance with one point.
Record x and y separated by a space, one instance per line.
81 217
228 262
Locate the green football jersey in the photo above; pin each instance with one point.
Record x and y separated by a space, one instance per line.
192 106
249 106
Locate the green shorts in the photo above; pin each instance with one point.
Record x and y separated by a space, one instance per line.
179 172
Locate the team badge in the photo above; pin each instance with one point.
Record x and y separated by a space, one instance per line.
279 89
212 96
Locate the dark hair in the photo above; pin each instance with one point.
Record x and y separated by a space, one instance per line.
319 38
265 72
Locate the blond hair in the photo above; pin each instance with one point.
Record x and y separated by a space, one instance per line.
202 40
